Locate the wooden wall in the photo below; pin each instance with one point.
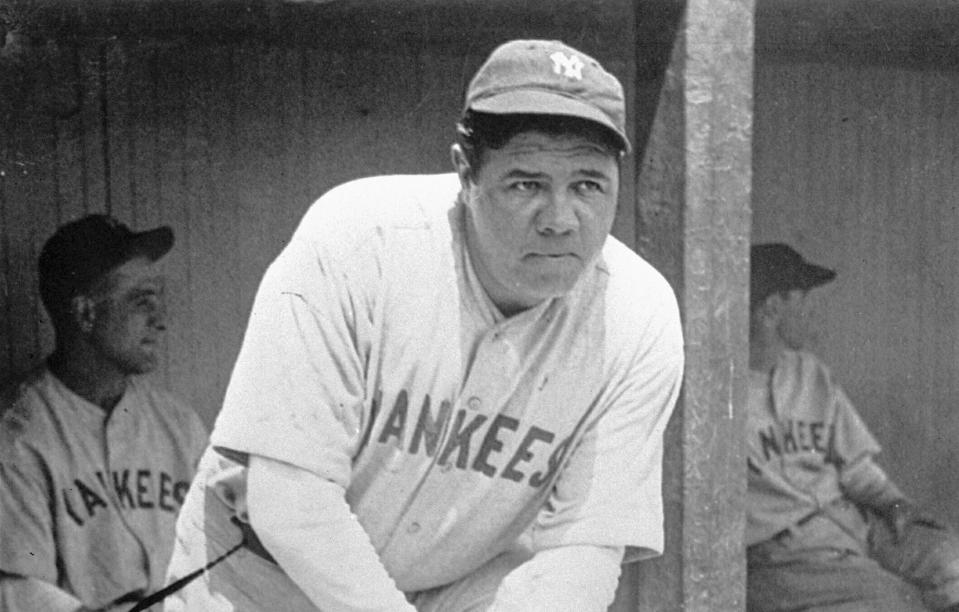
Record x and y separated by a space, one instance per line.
858 167
229 137
228 144
228 141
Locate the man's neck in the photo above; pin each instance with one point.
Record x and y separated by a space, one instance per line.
764 354
98 383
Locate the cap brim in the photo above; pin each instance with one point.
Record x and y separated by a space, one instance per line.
536 102
814 276
154 243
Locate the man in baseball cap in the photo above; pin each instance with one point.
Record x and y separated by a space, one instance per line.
83 251
826 527
94 460
546 77
776 267
452 389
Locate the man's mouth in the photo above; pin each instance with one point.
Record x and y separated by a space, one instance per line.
552 256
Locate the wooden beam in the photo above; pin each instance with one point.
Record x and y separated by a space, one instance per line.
693 223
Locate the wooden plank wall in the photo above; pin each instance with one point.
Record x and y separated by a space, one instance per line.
227 143
858 166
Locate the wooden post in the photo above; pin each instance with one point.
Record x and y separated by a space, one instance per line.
693 219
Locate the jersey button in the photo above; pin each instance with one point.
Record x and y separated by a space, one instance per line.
413 528
474 403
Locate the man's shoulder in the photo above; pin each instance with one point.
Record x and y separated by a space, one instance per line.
635 289
803 376
626 267
27 406
639 310
164 404
382 203
804 364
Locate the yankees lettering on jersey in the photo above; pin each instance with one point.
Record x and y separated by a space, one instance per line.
796 436
482 453
452 429
134 489
81 488
802 431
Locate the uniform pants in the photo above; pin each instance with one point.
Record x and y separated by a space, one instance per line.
920 572
927 554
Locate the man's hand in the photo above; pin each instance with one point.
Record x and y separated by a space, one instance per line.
897 516
902 513
121 604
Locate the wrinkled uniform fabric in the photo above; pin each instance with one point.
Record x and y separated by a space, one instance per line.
374 359
88 501
809 545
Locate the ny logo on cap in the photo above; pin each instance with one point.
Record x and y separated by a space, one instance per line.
569 66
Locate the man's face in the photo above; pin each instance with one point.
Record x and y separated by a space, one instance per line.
538 213
129 316
797 325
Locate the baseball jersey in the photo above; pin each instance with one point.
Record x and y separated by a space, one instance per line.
374 359
88 501
807 447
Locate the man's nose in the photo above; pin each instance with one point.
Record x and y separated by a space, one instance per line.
158 316
558 215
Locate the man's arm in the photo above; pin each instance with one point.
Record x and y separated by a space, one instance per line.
303 520
564 579
867 484
27 547
860 477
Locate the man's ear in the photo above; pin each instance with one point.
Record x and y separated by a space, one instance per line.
83 312
771 307
461 165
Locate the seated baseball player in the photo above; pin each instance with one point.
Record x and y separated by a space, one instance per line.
94 460
452 389
826 528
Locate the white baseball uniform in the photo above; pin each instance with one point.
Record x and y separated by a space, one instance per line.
811 475
805 442
374 359
89 502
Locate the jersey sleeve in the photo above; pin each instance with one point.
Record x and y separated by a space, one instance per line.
562 579
854 450
852 442
610 494
297 387
27 546
197 436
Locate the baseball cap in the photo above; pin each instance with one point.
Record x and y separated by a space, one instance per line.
776 267
548 77
82 251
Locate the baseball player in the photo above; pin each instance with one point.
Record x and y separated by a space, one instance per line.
94 460
826 528
452 389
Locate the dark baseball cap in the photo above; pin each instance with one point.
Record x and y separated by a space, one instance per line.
82 251
776 267
548 77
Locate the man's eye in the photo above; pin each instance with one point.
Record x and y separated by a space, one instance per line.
525 186
588 187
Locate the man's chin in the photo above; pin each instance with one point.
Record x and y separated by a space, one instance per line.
546 288
143 365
